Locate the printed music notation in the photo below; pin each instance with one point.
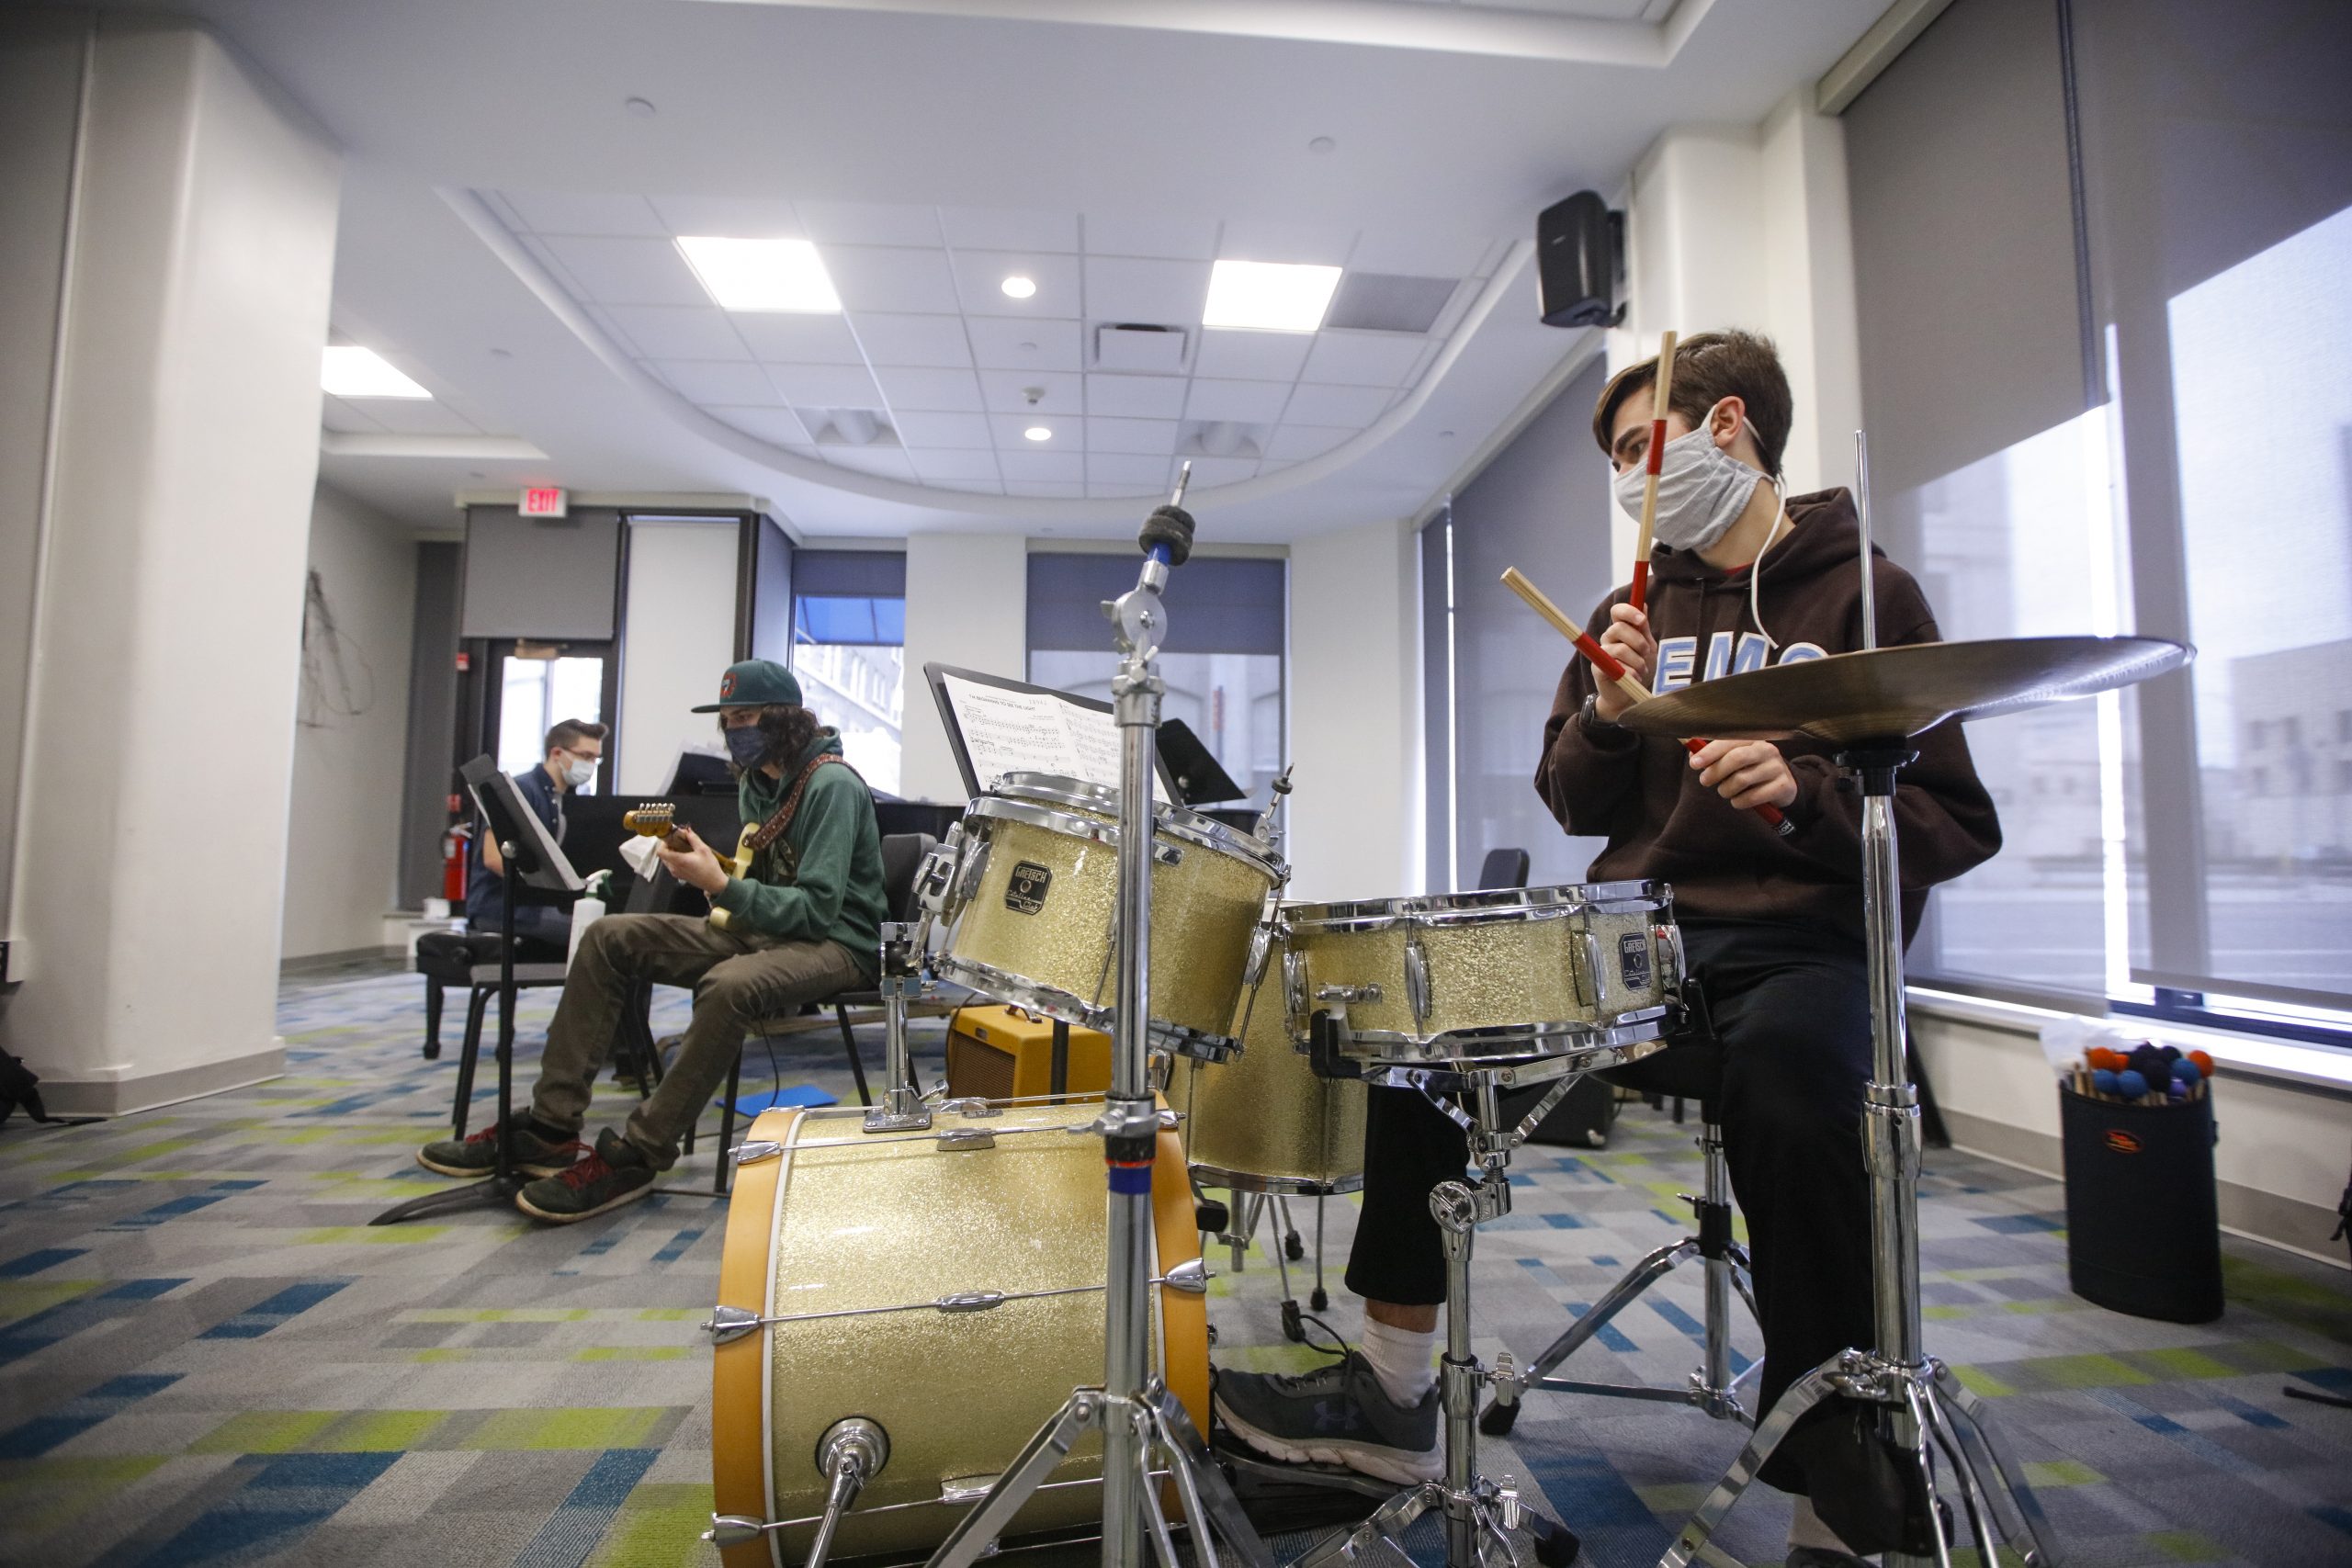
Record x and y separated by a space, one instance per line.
1034 732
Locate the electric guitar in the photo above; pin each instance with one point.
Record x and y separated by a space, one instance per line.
659 819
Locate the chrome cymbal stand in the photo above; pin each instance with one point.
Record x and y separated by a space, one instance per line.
1144 1431
902 980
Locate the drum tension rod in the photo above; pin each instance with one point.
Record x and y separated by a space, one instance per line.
727 1324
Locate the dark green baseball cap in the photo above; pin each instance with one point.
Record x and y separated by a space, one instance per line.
753 683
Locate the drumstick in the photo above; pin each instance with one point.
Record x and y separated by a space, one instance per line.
1612 670
1661 389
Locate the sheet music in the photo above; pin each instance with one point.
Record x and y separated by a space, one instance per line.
1034 732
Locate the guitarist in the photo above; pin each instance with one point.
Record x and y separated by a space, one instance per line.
802 924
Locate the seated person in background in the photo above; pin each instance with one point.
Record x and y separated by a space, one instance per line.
805 924
541 930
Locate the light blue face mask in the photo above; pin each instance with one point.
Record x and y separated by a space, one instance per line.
578 774
1701 491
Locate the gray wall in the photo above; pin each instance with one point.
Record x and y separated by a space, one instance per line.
429 774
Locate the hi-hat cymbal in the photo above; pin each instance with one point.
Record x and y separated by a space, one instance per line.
1894 692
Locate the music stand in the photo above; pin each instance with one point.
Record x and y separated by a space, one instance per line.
532 854
951 720
1201 779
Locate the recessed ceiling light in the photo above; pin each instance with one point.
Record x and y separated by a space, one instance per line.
1272 296
1018 288
349 371
1038 433
760 275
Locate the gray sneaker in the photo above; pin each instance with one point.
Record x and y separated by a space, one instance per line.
1335 1415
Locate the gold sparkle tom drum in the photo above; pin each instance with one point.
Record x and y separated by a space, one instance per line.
1028 896
1264 1122
948 1289
1490 977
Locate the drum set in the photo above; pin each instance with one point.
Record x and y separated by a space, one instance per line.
933 1332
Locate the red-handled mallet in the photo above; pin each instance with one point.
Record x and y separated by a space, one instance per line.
1612 670
1661 389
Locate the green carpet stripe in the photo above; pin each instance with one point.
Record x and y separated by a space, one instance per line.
585 1427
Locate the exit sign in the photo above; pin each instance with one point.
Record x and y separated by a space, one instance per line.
545 501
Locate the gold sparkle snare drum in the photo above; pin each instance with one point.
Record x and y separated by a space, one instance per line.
1027 898
946 1286
1498 975
1264 1121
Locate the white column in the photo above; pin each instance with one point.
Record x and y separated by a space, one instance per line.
681 638
160 734
967 604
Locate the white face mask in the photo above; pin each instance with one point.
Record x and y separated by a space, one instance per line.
577 774
1701 491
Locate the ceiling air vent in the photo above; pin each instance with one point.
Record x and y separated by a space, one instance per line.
848 427
1387 303
1139 347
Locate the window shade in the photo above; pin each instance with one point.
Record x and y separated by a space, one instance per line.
849 574
1216 605
552 579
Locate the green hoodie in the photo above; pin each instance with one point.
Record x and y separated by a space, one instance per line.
830 887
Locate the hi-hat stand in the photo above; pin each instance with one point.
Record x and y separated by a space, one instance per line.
1146 1433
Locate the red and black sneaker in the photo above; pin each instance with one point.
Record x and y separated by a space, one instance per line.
478 1155
614 1172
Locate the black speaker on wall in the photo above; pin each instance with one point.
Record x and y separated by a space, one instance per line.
1580 250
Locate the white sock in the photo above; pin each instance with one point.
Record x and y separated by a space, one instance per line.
1402 1359
1805 1529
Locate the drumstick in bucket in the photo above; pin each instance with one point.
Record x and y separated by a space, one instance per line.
1607 665
1659 390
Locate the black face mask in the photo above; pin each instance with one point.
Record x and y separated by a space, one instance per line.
747 744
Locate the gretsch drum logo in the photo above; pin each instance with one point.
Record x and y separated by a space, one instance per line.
1634 961
1025 892
2121 1142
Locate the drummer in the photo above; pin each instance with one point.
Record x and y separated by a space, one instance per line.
1742 575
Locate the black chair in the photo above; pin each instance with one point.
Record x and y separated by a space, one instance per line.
1503 868
1691 1068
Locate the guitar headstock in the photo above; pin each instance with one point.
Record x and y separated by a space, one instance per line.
655 819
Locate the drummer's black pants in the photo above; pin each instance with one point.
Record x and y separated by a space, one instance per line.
1791 1004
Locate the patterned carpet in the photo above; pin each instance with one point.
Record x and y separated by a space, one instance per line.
207 1357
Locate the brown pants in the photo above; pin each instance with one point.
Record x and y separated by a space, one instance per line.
737 979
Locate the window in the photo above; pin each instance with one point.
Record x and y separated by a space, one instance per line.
537 688
849 635
1224 661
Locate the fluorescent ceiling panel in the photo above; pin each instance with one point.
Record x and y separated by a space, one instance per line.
760 275
1272 296
348 370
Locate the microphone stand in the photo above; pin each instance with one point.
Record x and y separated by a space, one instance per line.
1146 1436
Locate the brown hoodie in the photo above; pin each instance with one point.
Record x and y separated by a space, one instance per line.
1643 795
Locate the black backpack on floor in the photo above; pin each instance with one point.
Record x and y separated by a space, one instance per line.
17 1087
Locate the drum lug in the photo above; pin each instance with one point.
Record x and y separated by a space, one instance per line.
938 872
1262 947
1417 984
734 1529
1191 1277
971 1300
1295 991
1673 966
969 1106
962 1138
1347 996
1588 973
728 1323
753 1152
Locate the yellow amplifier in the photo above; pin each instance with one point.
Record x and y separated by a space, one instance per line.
1000 1052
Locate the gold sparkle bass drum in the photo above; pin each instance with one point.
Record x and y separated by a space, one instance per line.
1026 895
942 1287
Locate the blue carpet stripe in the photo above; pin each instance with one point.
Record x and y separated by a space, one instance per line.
1598 1503
286 1499
43 1329
148 1218
2196 1443
676 1247
76 1416
1610 1334
565 1541
34 1262
70 1194
263 1316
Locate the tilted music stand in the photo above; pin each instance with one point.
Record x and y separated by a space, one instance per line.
531 853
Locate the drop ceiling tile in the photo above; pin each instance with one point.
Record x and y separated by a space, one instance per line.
1251 356
884 462
1155 437
1252 402
716 380
1053 488
628 272
735 217
1353 406
1148 235
1135 397
825 385
931 466
927 342
1362 359
873 277
545 257
968 487
561 212
869 223
1416 255
1210 472
952 391
1129 470
1007 391
1312 244
980 274
797 337
781 426
1008 229
1003 343
679 332
1296 442
1069 433
415 416
1169 293
349 419
1030 467
943 432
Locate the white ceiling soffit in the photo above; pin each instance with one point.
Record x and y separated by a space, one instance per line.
503 242
1588 33
367 444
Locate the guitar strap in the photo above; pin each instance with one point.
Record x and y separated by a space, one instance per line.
773 828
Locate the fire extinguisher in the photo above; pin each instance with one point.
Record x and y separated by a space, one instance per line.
453 862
